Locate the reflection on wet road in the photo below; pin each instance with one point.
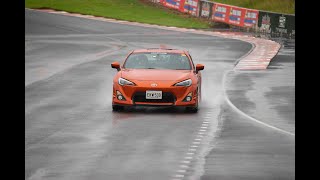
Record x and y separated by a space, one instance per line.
72 133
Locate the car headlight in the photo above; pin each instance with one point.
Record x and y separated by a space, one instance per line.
122 82
187 82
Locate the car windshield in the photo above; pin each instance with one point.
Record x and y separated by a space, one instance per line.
150 60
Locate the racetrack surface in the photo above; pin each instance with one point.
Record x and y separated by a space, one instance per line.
72 133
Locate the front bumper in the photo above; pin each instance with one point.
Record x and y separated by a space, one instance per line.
178 95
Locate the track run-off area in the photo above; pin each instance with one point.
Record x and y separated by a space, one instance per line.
245 128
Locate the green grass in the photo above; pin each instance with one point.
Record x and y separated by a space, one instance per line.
130 10
281 6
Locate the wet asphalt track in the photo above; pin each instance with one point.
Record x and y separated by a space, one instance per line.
72 133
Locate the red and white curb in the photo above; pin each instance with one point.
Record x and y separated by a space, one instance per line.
258 59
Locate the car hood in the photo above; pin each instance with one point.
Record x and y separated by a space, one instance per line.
155 74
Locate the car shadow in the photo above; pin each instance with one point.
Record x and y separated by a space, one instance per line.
153 110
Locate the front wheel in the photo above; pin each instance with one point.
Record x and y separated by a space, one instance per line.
192 109
117 108
195 108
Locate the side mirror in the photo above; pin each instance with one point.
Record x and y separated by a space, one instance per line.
199 67
115 65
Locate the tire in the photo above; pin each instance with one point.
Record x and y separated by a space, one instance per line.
195 108
192 109
117 108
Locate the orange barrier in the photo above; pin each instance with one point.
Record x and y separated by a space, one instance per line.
261 21
188 6
235 15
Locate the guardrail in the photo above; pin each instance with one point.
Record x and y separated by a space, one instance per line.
274 24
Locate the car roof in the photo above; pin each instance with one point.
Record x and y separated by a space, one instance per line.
161 50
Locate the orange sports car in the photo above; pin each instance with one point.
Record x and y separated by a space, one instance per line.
157 77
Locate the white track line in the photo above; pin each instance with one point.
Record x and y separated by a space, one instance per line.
182 171
184 166
244 114
179 175
190 154
185 162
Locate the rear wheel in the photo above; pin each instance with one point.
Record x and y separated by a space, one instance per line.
117 108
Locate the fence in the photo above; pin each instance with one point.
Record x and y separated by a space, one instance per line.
276 24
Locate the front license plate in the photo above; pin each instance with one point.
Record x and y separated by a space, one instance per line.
153 94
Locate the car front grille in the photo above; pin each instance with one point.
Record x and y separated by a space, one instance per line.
167 97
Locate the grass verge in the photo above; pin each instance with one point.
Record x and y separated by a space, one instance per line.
281 6
130 10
